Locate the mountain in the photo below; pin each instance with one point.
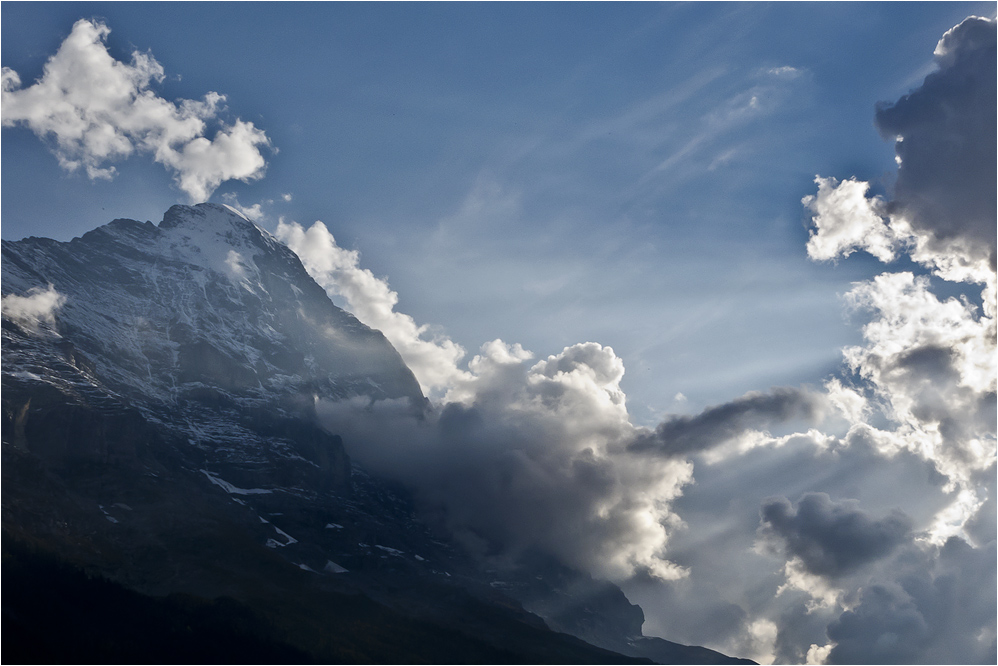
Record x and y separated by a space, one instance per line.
166 485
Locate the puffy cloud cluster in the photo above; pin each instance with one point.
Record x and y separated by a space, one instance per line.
937 607
515 457
931 364
888 554
35 309
945 133
98 110
433 359
846 220
927 375
532 458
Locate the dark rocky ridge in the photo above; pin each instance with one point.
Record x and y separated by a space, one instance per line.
160 433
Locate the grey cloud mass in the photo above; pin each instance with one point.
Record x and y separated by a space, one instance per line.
947 141
833 538
533 458
683 435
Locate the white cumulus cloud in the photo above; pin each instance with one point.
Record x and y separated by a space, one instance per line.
845 220
97 110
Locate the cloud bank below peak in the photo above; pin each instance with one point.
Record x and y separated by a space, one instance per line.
97 110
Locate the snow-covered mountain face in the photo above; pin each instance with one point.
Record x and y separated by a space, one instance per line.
198 323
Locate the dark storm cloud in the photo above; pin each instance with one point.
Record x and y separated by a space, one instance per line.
946 178
833 538
682 435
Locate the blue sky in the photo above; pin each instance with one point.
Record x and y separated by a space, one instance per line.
804 465
543 173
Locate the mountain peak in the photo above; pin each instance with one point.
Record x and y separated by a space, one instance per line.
206 215
215 236
207 298
214 223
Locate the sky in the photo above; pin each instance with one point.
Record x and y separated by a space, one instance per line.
673 256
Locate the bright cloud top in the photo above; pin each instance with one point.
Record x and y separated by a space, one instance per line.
944 206
434 361
99 110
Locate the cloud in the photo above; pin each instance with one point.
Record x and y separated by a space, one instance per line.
896 589
932 366
905 572
735 576
35 309
845 220
98 110
684 435
786 72
532 459
946 138
943 207
832 538
938 608
929 364
433 359
514 457
254 213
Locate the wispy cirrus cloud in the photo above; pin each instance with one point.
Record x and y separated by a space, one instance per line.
97 110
